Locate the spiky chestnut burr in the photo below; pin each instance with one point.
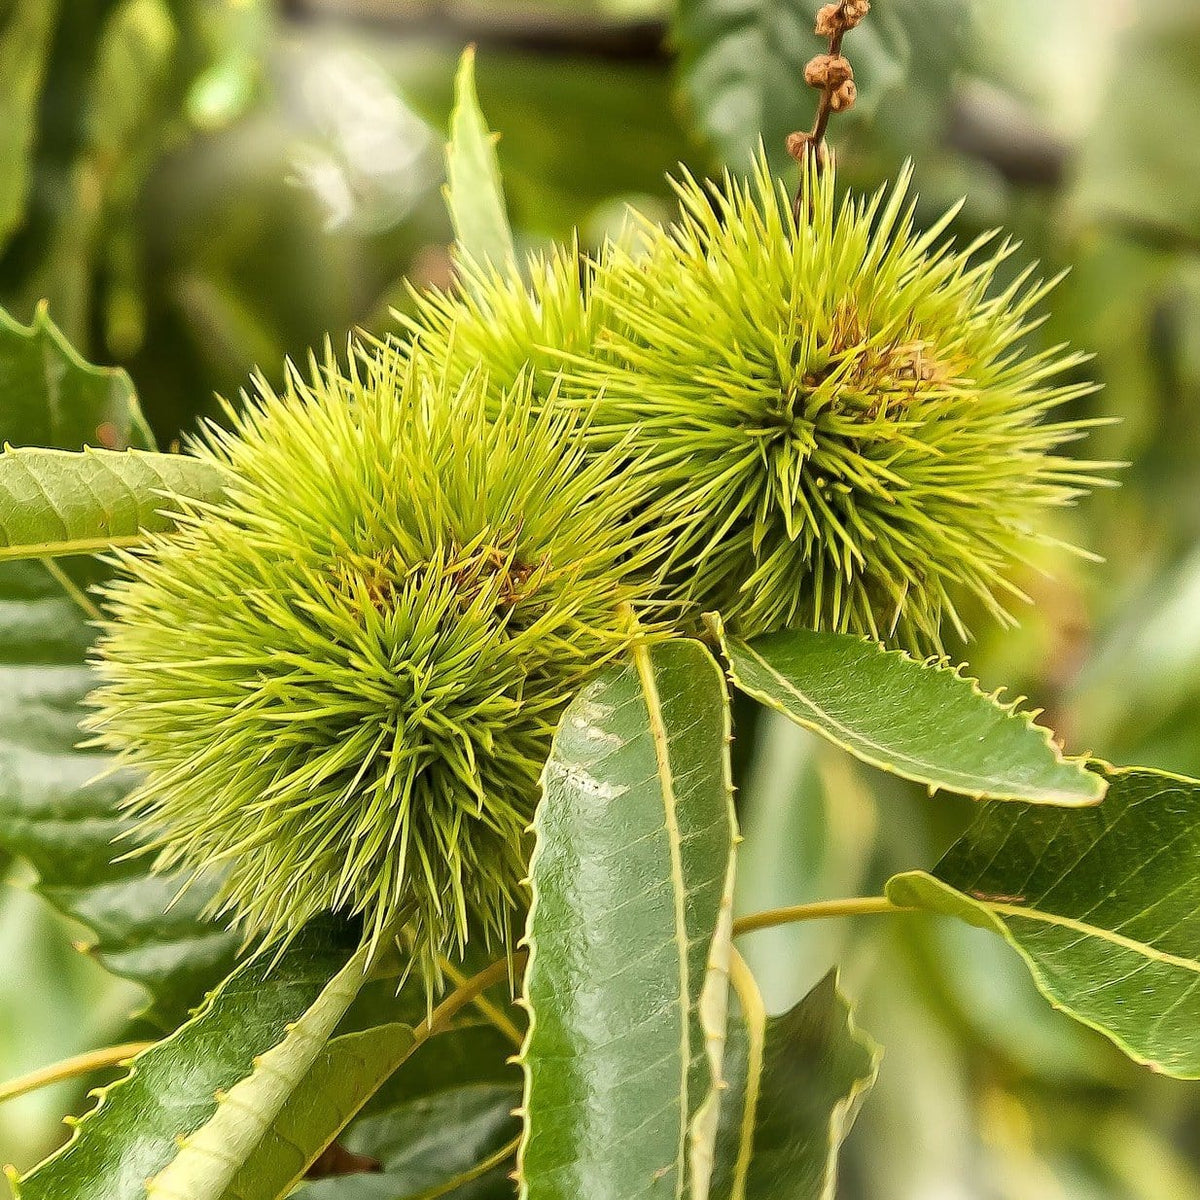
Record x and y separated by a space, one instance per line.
841 422
340 683
508 326
841 419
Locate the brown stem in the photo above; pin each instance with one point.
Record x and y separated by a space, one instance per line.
825 107
810 147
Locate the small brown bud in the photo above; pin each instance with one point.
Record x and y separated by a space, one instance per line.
853 12
828 71
798 144
829 21
843 97
835 19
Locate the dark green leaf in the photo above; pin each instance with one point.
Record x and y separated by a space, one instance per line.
58 808
50 397
346 1073
922 721
177 1088
1103 905
379 1066
442 1114
629 934
805 1075
60 811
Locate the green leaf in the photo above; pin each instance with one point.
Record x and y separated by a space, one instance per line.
1103 906
474 192
209 1158
384 1066
443 1113
629 935
805 1075
51 397
230 1065
341 1079
25 33
55 503
922 721
58 807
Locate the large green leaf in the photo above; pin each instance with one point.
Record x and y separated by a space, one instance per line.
55 502
25 31
343 1076
628 935
209 1158
50 397
245 1048
474 193
1103 905
384 1065
795 1086
922 721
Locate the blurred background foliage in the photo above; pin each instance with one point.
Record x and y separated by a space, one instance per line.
199 186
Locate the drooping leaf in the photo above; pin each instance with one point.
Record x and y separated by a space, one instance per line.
382 1071
58 808
474 192
50 397
206 1068
922 721
55 503
343 1076
629 935
25 32
1103 905
805 1074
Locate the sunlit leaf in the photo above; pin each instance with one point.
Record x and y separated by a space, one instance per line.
474 192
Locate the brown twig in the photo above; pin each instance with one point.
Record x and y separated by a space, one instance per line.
833 76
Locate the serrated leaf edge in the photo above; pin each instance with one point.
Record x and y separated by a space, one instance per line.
42 324
211 1156
696 1126
944 665
103 1095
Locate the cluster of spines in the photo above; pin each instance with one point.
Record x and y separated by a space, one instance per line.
840 420
342 679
